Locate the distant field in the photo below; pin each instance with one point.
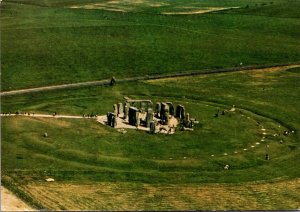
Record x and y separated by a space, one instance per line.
176 172
47 42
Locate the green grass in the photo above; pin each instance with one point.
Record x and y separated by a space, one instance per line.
84 151
294 70
54 44
45 43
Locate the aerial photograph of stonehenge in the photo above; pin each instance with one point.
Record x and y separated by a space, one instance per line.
150 105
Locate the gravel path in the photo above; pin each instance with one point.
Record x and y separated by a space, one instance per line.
10 202
46 116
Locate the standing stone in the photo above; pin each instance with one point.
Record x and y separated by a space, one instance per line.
133 116
182 114
187 117
149 117
115 107
164 109
109 116
171 108
152 127
126 109
137 115
166 118
187 121
111 119
120 109
142 107
149 106
114 121
157 109
178 111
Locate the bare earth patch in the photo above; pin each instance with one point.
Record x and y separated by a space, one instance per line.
120 6
9 202
198 11
99 6
127 6
260 72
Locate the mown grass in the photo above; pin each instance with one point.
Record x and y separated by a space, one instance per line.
282 195
55 45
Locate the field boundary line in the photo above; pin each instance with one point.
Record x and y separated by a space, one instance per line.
145 77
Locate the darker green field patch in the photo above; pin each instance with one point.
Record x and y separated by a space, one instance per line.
56 45
294 70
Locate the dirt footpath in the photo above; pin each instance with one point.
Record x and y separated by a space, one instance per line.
9 202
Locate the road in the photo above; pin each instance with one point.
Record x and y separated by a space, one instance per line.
145 77
45 116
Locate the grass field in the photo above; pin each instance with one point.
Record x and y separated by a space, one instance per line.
47 42
124 196
82 153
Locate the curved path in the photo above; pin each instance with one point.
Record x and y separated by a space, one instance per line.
145 77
